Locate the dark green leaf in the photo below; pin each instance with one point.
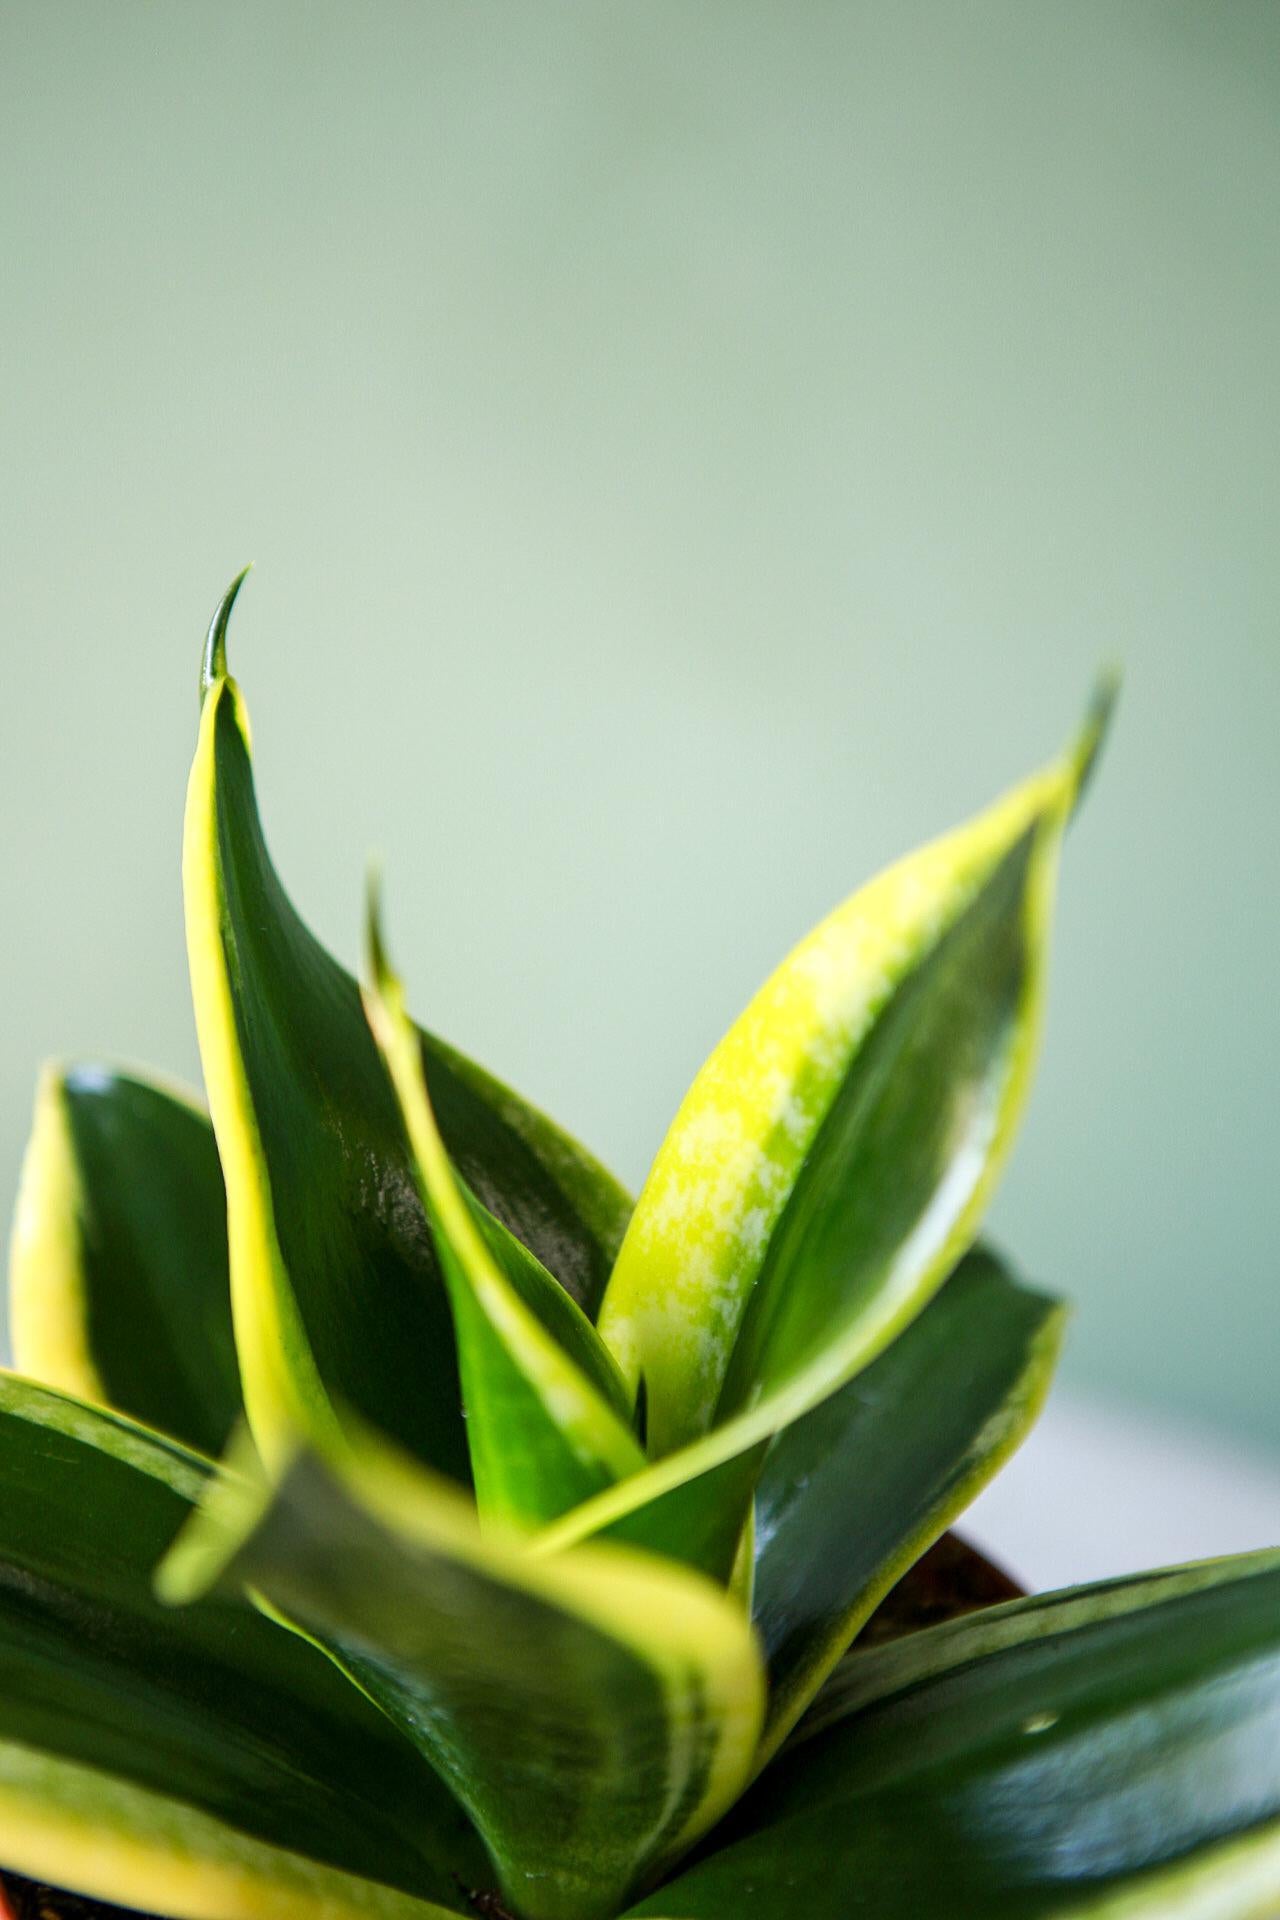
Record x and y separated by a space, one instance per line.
1110 1752
700 1521
118 1278
335 1284
195 1761
852 1494
594 1711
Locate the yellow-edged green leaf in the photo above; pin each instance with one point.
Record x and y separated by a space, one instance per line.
335 1285
854 1493
869 1675
199 1763
99 1836
831 1160
118 1286
540 1391
595 1713
1112 1752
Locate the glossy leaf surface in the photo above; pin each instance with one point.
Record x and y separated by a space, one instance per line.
830 1162
594 1712
543 1400
118 1277
1113 1751
872 1106
851 1495
202 1762
335 1285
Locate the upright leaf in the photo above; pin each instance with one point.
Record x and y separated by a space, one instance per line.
595 1713
831 1160
335 1286
118 1287
1111 1752
202 1762
831 1163
851 1495
541 1393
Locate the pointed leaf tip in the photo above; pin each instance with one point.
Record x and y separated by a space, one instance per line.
1087 747
213 665
381 974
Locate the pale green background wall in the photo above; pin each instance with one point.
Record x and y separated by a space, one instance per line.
691 452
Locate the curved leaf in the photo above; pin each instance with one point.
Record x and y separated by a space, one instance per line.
594 1713
335 1285
831 1161
867 1676
871 1107
540 1391
118 1287
851 1495
202 1763
1109 1752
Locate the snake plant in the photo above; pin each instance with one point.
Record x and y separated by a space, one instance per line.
396 1521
